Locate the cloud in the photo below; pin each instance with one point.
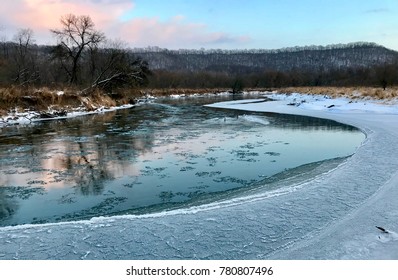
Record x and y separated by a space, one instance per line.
46 13
176 32
377 11
43 15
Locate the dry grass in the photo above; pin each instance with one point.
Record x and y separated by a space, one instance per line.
96 99
350 92
42 99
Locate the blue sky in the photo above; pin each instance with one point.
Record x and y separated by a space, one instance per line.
227 24
275 24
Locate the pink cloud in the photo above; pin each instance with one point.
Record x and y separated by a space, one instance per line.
43 15
177 32
174 33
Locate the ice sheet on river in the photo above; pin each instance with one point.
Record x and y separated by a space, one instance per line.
333 216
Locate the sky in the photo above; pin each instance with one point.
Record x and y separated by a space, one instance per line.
213 24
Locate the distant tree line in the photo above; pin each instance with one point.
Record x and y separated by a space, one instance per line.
356 64
340 56
84 58
376 76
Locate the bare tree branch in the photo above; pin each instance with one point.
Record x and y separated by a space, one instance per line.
77 33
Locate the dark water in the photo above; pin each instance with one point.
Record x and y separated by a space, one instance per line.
155 157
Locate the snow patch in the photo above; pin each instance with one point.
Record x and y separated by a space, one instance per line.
21 118
256 119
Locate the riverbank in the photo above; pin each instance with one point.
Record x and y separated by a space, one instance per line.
44 99
21 106
376 93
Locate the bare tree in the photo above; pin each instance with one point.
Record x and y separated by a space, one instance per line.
3 41
75 36
24 57
3 56
114 67
104 61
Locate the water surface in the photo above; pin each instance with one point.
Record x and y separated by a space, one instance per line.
159 156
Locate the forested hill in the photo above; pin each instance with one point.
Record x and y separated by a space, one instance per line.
112 67
311 58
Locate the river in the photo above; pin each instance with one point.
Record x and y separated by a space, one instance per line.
159 156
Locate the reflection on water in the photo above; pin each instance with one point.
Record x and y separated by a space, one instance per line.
152 158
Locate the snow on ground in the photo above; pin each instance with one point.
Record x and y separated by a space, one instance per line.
355 197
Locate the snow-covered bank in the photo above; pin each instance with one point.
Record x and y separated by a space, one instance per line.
331 216
17 118
22 117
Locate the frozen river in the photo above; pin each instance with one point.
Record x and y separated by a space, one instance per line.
257 217
156 157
